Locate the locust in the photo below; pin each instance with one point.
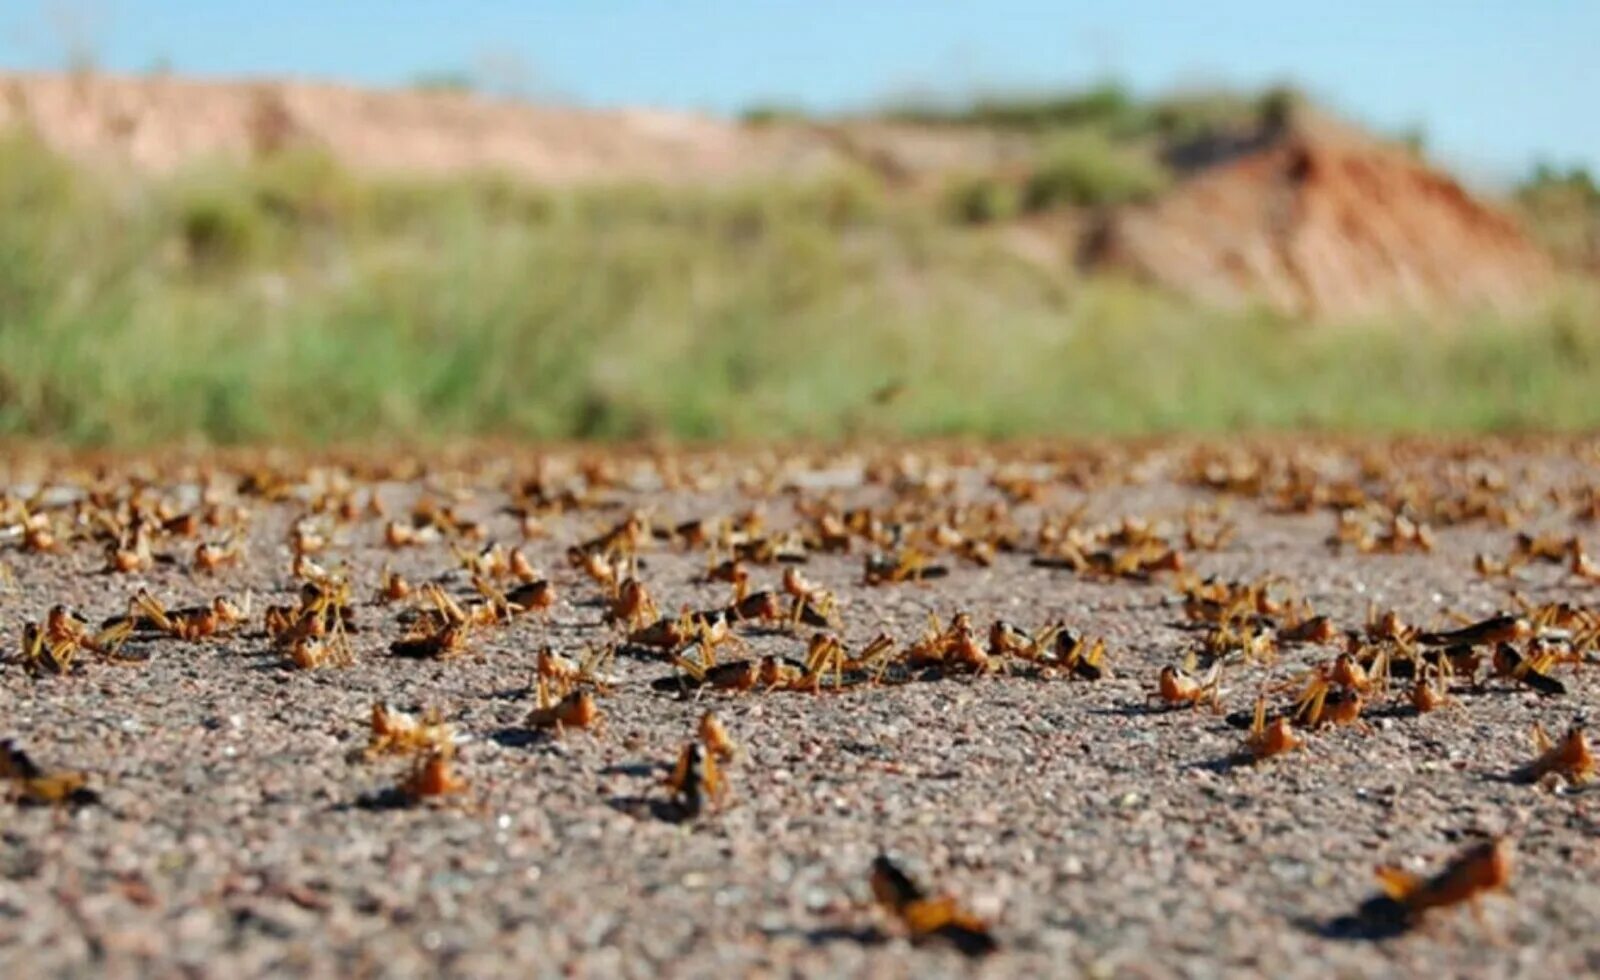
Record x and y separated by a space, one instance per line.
927 917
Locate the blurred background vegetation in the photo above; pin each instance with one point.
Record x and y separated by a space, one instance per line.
287 299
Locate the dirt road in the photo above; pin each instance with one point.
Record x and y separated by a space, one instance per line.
241 831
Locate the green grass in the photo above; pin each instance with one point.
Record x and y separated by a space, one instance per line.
290 301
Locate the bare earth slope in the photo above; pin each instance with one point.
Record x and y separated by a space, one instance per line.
240 832
1331 224
157 124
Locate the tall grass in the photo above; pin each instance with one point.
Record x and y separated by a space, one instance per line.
288 300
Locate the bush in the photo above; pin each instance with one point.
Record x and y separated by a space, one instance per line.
769 115
449 81
1107 105
980 199
1574 186
1191 117
1088 170
218 229
304 185
1562 209
851 197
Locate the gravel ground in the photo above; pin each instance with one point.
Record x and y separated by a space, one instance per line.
1094 835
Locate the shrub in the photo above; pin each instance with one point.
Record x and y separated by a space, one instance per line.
1107 105
218 229
1088 170
980 199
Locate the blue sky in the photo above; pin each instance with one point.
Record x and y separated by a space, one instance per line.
1494 85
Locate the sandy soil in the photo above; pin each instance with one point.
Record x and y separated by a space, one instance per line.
161 124
1094 835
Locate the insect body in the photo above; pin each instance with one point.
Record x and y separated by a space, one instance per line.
448 641
1267 740
1496 629
1531 669
577 709
924 917
1085 659
397 732
1407 897
1175 687
633 607
715 737
695 779
430 777
1429 695
1569 758
28 783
